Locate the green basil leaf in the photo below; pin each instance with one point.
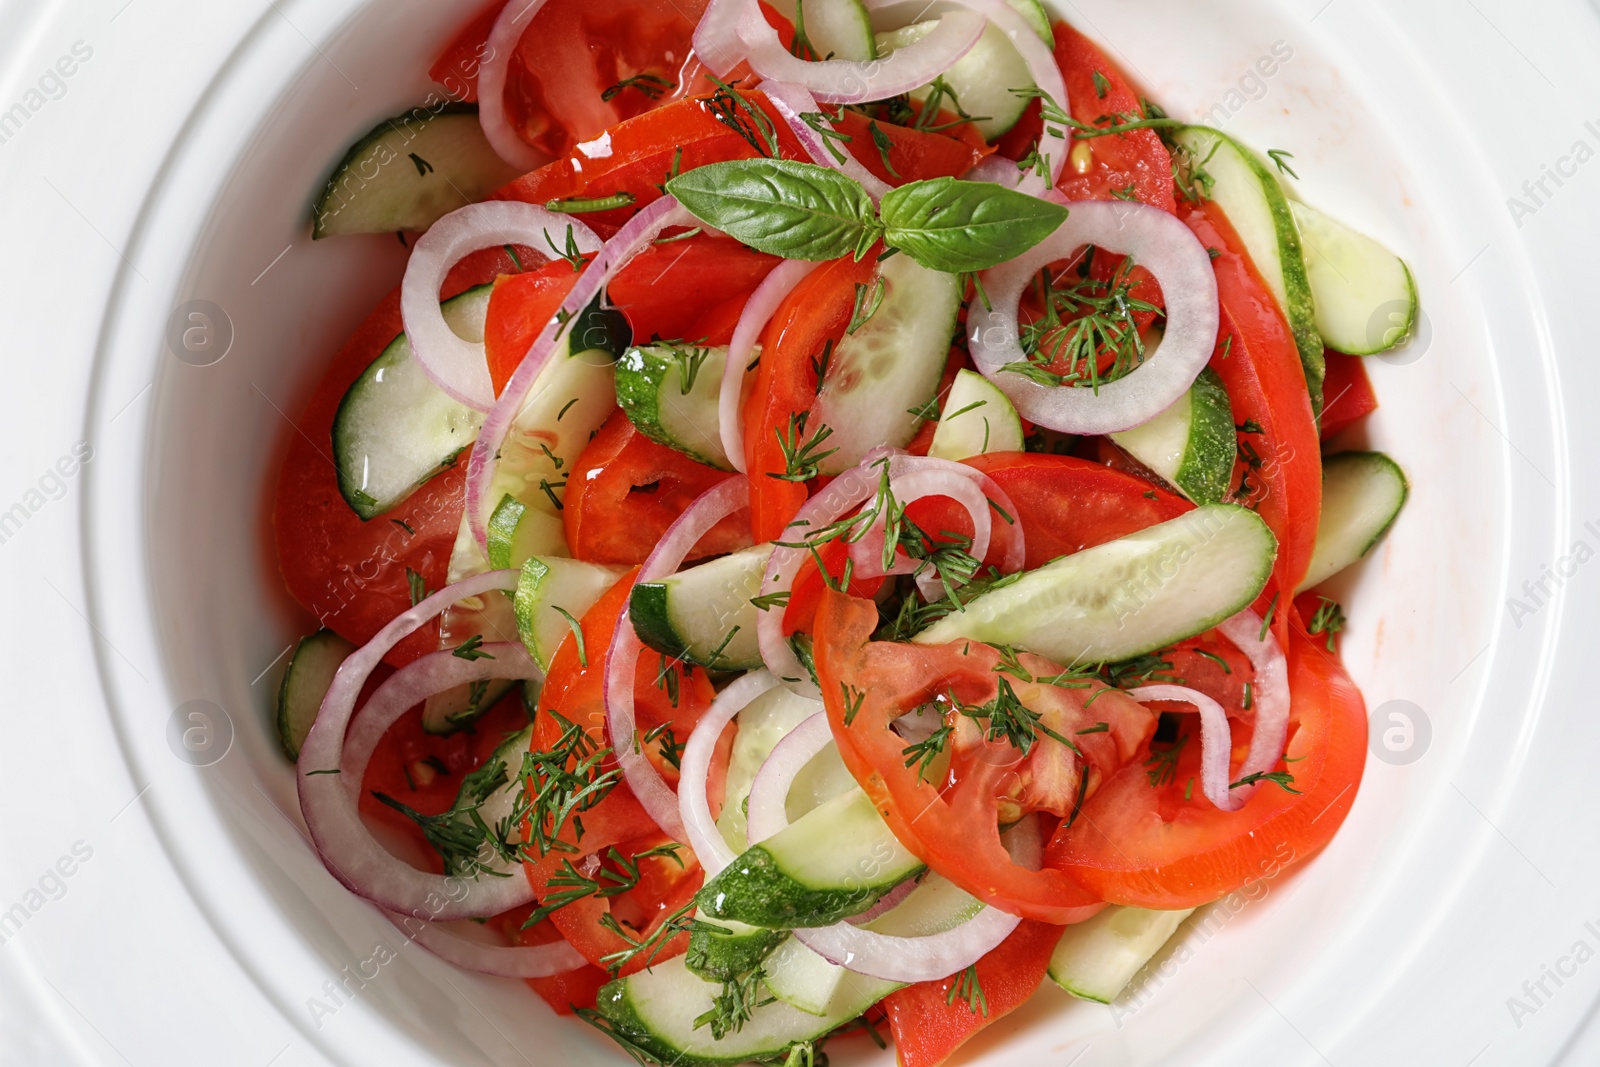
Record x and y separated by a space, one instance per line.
781 207
956 226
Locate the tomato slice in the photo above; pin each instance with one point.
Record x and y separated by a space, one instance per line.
565 992
1135 162
814 314
1062 504
951 820
1349 393
669 290
457 66
1148 846
913 155
519 309
1280 472
625 490
575 689
350 574
930 1020
637 156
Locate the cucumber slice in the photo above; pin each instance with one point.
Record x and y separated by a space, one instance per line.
550 586
1037 18
517 532
767 720
408 172
311 669
800 977
703 614
1129 596
1362 493
655 1011
830 864
1097 958
981 81
881 377
1252 197
1366 299
837 29
1192 444
461 706
722 951
671 395
487 617
395 429
977 418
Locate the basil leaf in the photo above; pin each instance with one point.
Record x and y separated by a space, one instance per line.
781 207
958 226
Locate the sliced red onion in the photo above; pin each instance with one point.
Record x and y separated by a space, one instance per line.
1269 694
1161 244
887 903
716 37
886 956
503 38
694 807
1041 63
506 961
328 801
634 237
793 101
1216 739
758 311
838 81
458 366
622 659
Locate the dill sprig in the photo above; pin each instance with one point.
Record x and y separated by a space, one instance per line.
1081 324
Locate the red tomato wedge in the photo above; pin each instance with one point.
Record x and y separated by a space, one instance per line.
625 490
814 314
1063 504
351 574
1135 162
519 309
639 155
930 1020
457 66
1348 391
1147 846
1259 365
913 155
670 291
565 992
951 819
575 689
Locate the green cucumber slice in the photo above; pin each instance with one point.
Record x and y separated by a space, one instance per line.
1129 596
767 719
977 418
655 1011
1192 444
550 590
517 532
408 172
671 395
981 81
315 661
837 29
487 617
722 951
703 615
395 429
834 862
1037 18
1096 959
1366 299
1362 493
1252 197
881 378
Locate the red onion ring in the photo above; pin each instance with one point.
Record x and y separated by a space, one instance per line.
1161 244
1216 740
716 37
634 237
503 39
792 101
505 961
838 81
886 956
622 659
694 807
1269 695
758 311
328 801
460 367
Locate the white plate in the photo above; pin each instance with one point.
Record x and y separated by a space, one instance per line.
175 164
